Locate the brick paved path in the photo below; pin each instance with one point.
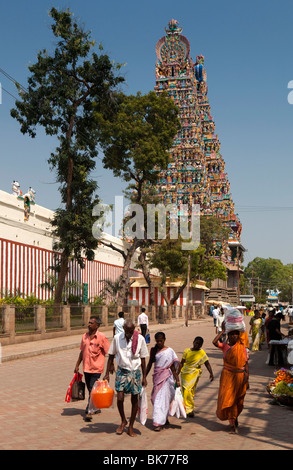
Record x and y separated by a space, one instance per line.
34 414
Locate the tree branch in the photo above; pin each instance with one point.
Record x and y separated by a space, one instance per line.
113 247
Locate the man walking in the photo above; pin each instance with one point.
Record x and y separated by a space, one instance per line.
274 329
130 351
118 324
93 349
216 313
143 322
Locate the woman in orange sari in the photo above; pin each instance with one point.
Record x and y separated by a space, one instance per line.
234 379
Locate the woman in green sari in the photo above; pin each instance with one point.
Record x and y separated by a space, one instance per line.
192 360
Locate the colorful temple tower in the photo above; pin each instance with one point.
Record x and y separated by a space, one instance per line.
196 172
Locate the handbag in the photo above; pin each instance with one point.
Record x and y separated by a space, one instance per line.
76 389
148 338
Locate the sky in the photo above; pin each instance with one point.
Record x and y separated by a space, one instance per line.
249 63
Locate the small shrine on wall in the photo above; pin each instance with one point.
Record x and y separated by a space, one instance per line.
196 172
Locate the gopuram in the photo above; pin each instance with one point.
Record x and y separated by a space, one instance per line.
196 172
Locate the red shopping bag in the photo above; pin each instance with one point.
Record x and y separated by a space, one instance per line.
76 378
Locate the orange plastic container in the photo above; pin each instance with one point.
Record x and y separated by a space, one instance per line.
102 395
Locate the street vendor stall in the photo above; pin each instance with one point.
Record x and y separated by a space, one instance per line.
281 389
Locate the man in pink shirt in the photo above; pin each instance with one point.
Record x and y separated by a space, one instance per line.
93 349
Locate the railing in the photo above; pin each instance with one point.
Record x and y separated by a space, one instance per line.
20 324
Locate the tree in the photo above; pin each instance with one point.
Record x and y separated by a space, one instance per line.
69 287
188 265
110 289
211 230
264 274
176 264
135 145
61 91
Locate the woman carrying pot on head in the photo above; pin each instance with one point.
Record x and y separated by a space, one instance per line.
234 378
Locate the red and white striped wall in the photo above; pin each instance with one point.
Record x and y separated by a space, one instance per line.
142 296
23 268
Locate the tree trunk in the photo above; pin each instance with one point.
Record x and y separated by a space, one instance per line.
178 292
61 279
65 257
165 296
147 276
125 272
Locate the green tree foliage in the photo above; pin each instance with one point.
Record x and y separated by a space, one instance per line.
172 262
135 145
136 142
110 290
211 230
262 274
61 91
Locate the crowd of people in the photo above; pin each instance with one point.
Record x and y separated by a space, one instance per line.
264 326
134 363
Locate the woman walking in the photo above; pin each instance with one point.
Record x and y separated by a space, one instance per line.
164 378
256 330
234 379
192 360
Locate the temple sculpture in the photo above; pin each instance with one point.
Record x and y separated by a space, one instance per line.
196 172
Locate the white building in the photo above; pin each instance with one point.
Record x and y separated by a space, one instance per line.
26 254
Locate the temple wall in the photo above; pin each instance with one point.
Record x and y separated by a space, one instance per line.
26 252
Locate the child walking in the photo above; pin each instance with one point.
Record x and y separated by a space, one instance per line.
192 360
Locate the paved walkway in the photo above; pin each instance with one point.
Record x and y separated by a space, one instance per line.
34 378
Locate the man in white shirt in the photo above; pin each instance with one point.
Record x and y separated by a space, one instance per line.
118 324
219 324
143 322
130 351
216 313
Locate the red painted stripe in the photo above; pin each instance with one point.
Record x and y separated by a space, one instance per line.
143 296
24 267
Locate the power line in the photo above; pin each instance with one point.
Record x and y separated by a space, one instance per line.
8 92
12 80
251 209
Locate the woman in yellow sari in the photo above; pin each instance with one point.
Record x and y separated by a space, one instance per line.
192 360
234 379
256 330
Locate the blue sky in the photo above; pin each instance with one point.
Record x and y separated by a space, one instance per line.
249 62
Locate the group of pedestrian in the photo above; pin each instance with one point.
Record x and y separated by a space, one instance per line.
265 327
273 332
142 323
128 348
